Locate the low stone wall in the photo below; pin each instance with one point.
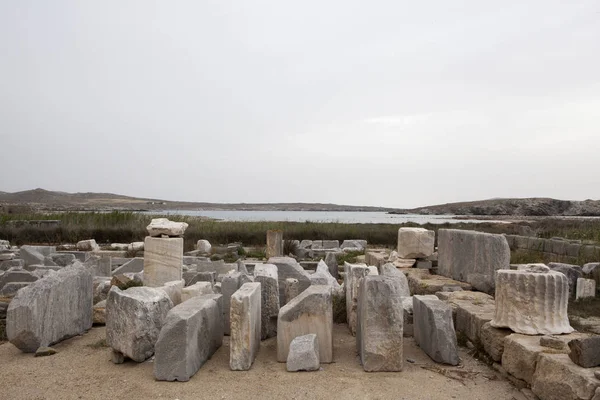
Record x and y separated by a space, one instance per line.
573 251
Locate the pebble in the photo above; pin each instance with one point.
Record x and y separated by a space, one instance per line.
45 351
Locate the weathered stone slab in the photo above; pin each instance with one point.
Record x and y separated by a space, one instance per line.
197 289
472 257
87 245
434 330
585 352
266 275
163 260
557 378
292 289
415 242
392 271
219 267
304 354
358 244
99 313
162 226
353 274
572 272
191 334
532 301
422 282
380 326
332 264
173 290
492 340
274 244
229 285
51 309
31 255
586 288
132 266
245 326
471 316
62 259
11 288
287 267
134 318
309 312
16 276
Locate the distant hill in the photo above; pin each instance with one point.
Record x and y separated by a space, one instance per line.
40 199
518 207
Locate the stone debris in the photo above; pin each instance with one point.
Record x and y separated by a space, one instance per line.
266 275
472 257
380 324
287 267
88 245
51 309
304 354
353 275
245 326
415 242
134 318
197 289
203 246
309 312
532 301
434 330
163 260
586 288
162 226
585 352
99 313
274 244
191 334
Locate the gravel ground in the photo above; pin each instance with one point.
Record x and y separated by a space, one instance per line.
81 370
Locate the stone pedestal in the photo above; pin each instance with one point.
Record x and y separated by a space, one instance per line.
274 244
163 260
532 301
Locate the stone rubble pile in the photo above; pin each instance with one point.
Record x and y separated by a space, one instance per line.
178 307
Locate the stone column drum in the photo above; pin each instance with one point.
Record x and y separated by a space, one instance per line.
532 301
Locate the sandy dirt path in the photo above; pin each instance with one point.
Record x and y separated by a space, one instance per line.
82 371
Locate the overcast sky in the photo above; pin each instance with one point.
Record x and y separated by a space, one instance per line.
387 103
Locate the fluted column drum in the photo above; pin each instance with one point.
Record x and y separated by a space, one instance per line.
532 300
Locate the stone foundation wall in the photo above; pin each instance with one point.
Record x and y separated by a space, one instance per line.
572 251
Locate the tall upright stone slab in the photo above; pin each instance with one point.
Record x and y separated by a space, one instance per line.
309 312
163 260
266 275
191 334
434 330
134 318
380 326
51 309
354 273
472 257
274 244
532 301
586 288
229 285
415 242
287 267
291 289
245 326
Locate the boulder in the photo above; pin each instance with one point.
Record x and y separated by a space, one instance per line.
134 318
51 309
191 334
304 354
309 312
557 378
245 318
266 275
163 260
415 242
380 324
88 245
203 246
532 301
585 352
162 226
287 267
433 329
472 257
